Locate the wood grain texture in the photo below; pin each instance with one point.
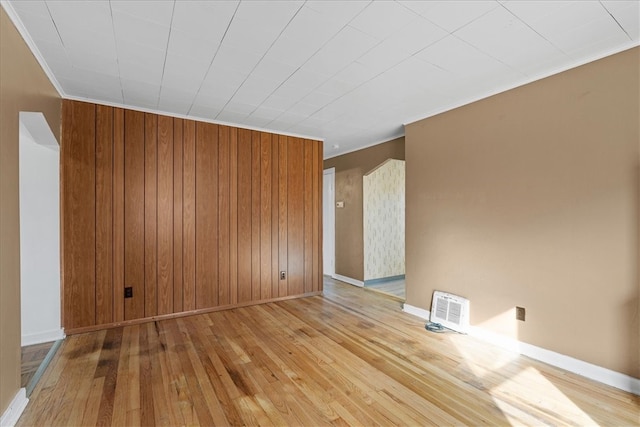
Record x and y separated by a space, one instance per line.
177 216
275 216
150 215
350 357
118 214
134 215
206 215
256 293
79 218
104 214
308 215
283 213
223 215
265 216
165 213
244 215
189 215
316 211
295 215
233 215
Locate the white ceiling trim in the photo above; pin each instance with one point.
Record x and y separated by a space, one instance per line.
534 78
432 57
192 118
13 16
36 53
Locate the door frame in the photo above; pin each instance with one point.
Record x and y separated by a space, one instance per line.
329 222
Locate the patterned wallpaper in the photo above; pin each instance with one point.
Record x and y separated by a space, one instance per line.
383 211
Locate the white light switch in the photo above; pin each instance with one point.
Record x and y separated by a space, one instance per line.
340 204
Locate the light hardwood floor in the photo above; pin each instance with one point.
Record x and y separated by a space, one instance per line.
32 356
395 288
350 357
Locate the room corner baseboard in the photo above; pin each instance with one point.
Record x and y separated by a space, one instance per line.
11 416
416 311
594 372
384 280
42 337
349 280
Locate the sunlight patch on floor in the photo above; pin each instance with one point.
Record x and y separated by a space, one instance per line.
504 377
546 399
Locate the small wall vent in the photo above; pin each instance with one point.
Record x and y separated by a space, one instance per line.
451 311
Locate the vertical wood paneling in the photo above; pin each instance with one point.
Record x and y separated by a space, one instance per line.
308 215
223 215
255 216
275 217
244 215
233 215
150 215
189 215
206 215
78 152
104 214
134 226
283 213
265 216
177 216
295 215
165 215
316 211
118 214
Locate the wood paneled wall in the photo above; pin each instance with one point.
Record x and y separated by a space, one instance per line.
193 216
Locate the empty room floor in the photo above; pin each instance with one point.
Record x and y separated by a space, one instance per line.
32 358
394 288
350 357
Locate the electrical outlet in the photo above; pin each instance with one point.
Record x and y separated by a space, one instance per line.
128 292
520 313
283 275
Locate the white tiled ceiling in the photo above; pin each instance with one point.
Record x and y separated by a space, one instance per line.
349 72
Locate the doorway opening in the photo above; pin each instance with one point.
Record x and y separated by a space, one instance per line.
39 161
383 196
329 222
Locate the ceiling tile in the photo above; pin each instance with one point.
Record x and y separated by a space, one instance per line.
347 46
392 15
255 89
40 25
627 14
181 73
451 15
148 34
340 13
192 48
505 37
349 71
203 20
85 15
153 11
306 33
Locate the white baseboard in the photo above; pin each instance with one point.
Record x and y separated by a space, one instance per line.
40 337
349 280
11 416
416 311
568 363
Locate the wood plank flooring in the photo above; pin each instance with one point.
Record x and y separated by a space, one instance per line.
32 357
350 357
395 288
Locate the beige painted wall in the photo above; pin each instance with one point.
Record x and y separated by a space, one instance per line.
350 168
531 198
23 87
